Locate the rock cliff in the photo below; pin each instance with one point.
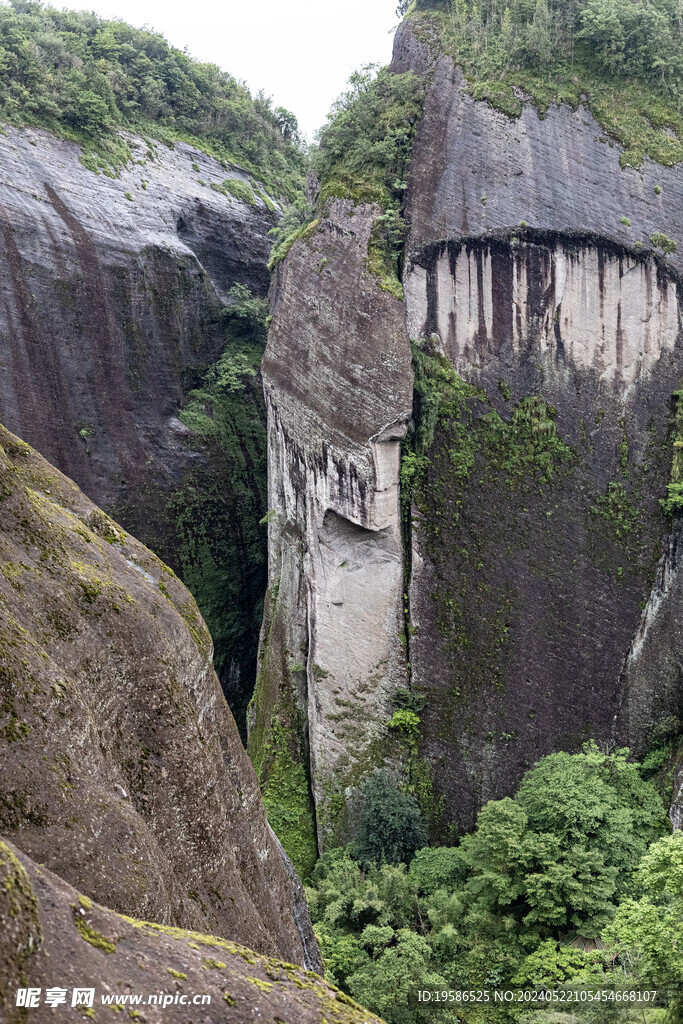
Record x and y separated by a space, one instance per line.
123 769
111 295
338 389
53 937
547 330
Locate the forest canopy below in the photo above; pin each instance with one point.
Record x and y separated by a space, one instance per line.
84 77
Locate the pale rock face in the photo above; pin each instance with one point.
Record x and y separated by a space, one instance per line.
339 388
609 313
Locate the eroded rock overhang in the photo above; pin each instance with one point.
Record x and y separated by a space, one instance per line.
567 300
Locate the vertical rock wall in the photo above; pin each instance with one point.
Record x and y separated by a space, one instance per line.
536 529
338 386
111 294
531 269
533 559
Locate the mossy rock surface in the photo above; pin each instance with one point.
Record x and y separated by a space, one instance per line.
122 766
142 958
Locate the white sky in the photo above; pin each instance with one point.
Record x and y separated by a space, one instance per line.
300 52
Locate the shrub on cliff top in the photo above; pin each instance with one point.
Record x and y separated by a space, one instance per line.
81 75
624 56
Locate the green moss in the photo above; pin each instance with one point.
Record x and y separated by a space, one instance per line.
176 974
432 805
286 797
383 263
192 619
673 503
263 986
90 935
22 922
617 508
266 200
300 234
525 447
240 190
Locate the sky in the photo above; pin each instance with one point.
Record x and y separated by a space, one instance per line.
300 52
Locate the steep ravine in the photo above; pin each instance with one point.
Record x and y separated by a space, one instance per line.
536 529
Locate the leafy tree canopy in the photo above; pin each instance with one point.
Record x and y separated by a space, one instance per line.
390 827
83 76
521 901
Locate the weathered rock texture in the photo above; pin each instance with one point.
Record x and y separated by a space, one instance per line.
534 555
536 530
51 936
338 388
532 580
110 295
122 767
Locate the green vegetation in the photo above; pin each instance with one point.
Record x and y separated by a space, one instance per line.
648 930
663 242
540 894
362 155
277 750
673 503
525 447
389 829
87 932
237 188
617 509
208 529
222 547
84 78
286 798
623 55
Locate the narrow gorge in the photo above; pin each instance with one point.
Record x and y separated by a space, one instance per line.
341 590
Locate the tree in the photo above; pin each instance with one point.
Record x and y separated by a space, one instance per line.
390 827
649 930
388 985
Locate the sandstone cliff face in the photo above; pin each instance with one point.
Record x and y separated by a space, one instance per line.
534 579
53 936
123 770
339 391
110 295
536 533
